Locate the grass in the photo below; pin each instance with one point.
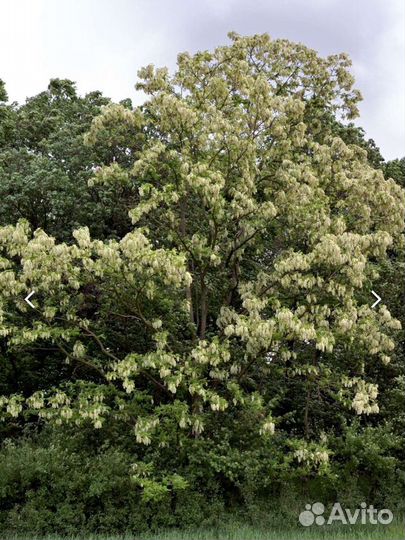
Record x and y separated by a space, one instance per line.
394 531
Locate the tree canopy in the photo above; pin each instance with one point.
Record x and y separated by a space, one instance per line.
227 330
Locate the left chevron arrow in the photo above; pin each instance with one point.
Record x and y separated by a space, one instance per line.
27 299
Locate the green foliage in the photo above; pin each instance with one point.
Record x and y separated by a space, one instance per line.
396 169
352 134
69 483
45 166
3 93
47 489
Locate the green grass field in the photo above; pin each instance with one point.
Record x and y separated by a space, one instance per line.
395 531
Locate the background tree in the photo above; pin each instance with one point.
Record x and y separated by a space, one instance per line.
45 166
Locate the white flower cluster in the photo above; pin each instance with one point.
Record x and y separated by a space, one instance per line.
12 405
144 429
212 353
110 174
317 457
365 398
268 426
112 115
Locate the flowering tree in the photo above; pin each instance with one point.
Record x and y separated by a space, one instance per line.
242 294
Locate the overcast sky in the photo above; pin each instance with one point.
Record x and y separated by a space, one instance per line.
101 44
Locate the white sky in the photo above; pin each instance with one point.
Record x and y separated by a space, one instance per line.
101 44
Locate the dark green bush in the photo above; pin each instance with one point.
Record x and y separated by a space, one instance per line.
51 486
67 481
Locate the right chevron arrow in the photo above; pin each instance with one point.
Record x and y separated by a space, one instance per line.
378 299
